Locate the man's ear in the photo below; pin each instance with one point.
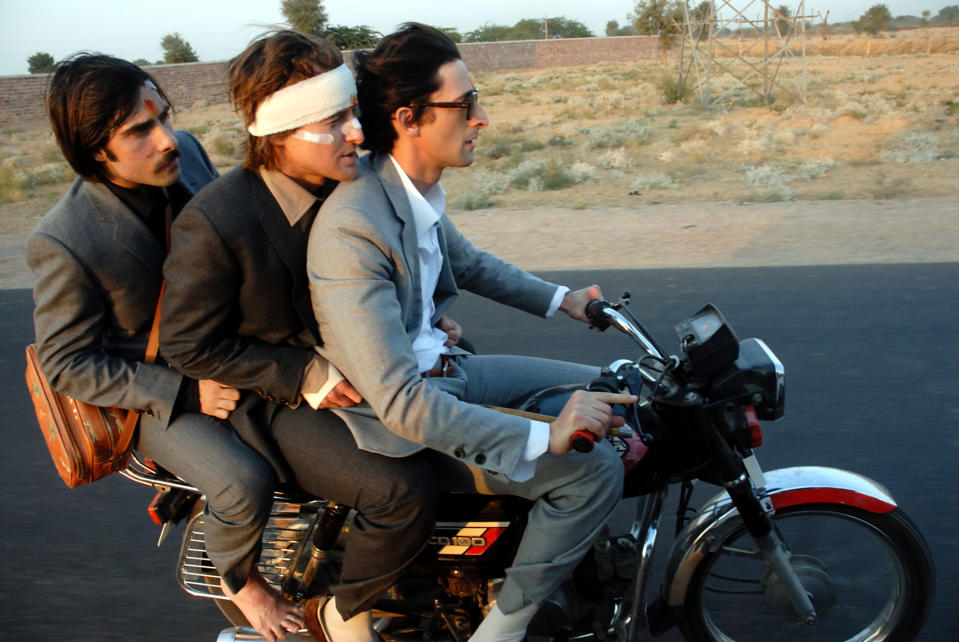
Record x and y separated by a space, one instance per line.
405 122
101 156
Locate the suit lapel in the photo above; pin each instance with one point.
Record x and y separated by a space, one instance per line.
290 245
400 201
129 230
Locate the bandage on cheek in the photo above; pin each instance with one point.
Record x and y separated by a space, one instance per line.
310 137
327 139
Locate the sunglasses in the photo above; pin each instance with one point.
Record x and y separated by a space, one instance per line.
469 104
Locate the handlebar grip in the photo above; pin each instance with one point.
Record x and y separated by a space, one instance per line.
594 312
582 441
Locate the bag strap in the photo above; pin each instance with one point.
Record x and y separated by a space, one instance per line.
153 346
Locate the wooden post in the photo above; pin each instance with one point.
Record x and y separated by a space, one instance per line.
868 46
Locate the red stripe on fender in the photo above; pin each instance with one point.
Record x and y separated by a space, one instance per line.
830 496
491 535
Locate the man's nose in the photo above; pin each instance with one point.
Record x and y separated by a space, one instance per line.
164 138
353 132
479 119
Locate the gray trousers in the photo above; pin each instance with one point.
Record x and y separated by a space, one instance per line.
237 482
573 494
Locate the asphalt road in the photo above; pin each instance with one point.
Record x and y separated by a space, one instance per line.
872 381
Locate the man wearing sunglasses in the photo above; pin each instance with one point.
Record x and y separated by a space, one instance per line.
385 263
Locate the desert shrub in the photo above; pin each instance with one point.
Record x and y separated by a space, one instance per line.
915 147
673 90
618 159
224 145
489 183
558 140
952 107
10 188
653 181
582 172
471 202
527 175
556 177
634 130
530 146
199 130
498 147
771 181
812 170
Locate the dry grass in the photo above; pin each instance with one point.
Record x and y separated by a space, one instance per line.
881 127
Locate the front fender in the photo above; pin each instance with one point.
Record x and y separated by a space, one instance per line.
784 487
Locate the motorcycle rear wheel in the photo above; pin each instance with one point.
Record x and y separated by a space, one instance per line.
870 577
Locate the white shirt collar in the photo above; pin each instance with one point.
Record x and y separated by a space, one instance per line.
427 209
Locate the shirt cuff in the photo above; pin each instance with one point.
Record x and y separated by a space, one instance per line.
557 300
312 391
536 444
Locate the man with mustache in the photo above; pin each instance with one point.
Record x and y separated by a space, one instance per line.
97 257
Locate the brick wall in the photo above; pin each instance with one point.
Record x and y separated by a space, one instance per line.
203 83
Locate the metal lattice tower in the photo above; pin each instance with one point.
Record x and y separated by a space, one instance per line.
770 64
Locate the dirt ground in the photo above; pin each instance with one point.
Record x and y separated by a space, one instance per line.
687 235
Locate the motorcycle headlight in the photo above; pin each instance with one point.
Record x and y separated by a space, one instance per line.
763 372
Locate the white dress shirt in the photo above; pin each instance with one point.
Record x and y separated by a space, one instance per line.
429 342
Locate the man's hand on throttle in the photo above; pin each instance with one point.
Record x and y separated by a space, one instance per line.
216 399
452 329
343 395
574 303
585 411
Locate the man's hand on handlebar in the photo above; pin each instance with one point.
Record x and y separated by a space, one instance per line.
574 303
590 411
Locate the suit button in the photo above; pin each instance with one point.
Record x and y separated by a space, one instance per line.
460 452
480 459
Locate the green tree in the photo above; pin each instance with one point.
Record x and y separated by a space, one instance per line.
176 49
305 16
453 34
613 29
488 33
699 16
783 23
359 37
562 27
659 17
876 19
948 15
528 29
40 63
142 62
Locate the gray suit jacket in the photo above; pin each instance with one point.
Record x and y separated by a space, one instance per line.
99 271
365 283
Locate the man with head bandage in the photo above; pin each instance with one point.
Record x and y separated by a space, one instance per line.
237 308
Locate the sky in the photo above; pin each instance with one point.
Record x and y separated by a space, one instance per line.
220 29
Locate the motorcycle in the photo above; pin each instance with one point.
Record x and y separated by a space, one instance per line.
797 553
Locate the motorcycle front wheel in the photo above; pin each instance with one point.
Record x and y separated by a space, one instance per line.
870 577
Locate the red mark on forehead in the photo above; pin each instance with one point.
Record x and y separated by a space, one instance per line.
151 108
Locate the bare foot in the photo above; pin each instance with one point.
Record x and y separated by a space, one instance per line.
265 610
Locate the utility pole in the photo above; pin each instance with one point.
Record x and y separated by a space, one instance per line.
546 27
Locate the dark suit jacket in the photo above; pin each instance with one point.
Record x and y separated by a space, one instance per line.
236 307
98 270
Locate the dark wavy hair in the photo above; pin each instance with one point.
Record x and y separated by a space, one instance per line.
400 72
89 95
270 63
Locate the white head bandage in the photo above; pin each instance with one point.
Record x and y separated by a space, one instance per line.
305 102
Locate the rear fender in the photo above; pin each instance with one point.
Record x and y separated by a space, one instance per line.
784 487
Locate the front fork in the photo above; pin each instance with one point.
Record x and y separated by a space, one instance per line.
737 481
